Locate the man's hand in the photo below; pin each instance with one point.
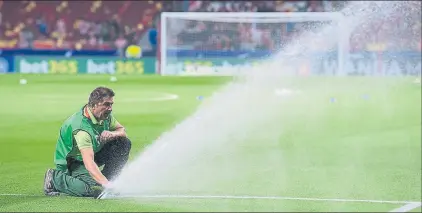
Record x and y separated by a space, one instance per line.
108 185
107 136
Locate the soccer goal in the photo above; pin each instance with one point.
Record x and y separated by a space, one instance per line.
200 43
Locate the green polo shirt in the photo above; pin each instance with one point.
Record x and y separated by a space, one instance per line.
83 139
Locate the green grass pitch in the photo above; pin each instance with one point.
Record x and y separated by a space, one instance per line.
364 145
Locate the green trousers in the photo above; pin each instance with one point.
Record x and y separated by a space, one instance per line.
75 180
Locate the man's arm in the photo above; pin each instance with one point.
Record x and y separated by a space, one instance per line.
84 143
116 128
91 166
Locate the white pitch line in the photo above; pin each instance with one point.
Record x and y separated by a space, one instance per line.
413 204
408 207
161 97
265 198
164 97
20 195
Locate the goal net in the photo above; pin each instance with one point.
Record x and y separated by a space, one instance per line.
197 43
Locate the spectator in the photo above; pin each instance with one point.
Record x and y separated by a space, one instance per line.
315 6
42 26
61 28
26 37
267 6
152 37
83 27
120 44
115 26
95 32
105 31
131 35
194 5
92 40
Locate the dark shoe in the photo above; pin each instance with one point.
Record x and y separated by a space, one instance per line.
48 184
96 191
101 195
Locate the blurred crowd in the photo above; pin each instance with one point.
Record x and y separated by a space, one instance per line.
401 30
118 24
264 6
75 24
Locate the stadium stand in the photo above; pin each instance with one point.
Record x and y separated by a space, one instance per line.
108 25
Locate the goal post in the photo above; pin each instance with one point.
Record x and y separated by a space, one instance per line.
204 43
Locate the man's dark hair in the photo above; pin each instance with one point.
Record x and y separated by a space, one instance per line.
98 95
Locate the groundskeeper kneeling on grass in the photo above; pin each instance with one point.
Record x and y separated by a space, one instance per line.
89 139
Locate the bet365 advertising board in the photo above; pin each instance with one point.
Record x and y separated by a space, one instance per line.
81 65
357 63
